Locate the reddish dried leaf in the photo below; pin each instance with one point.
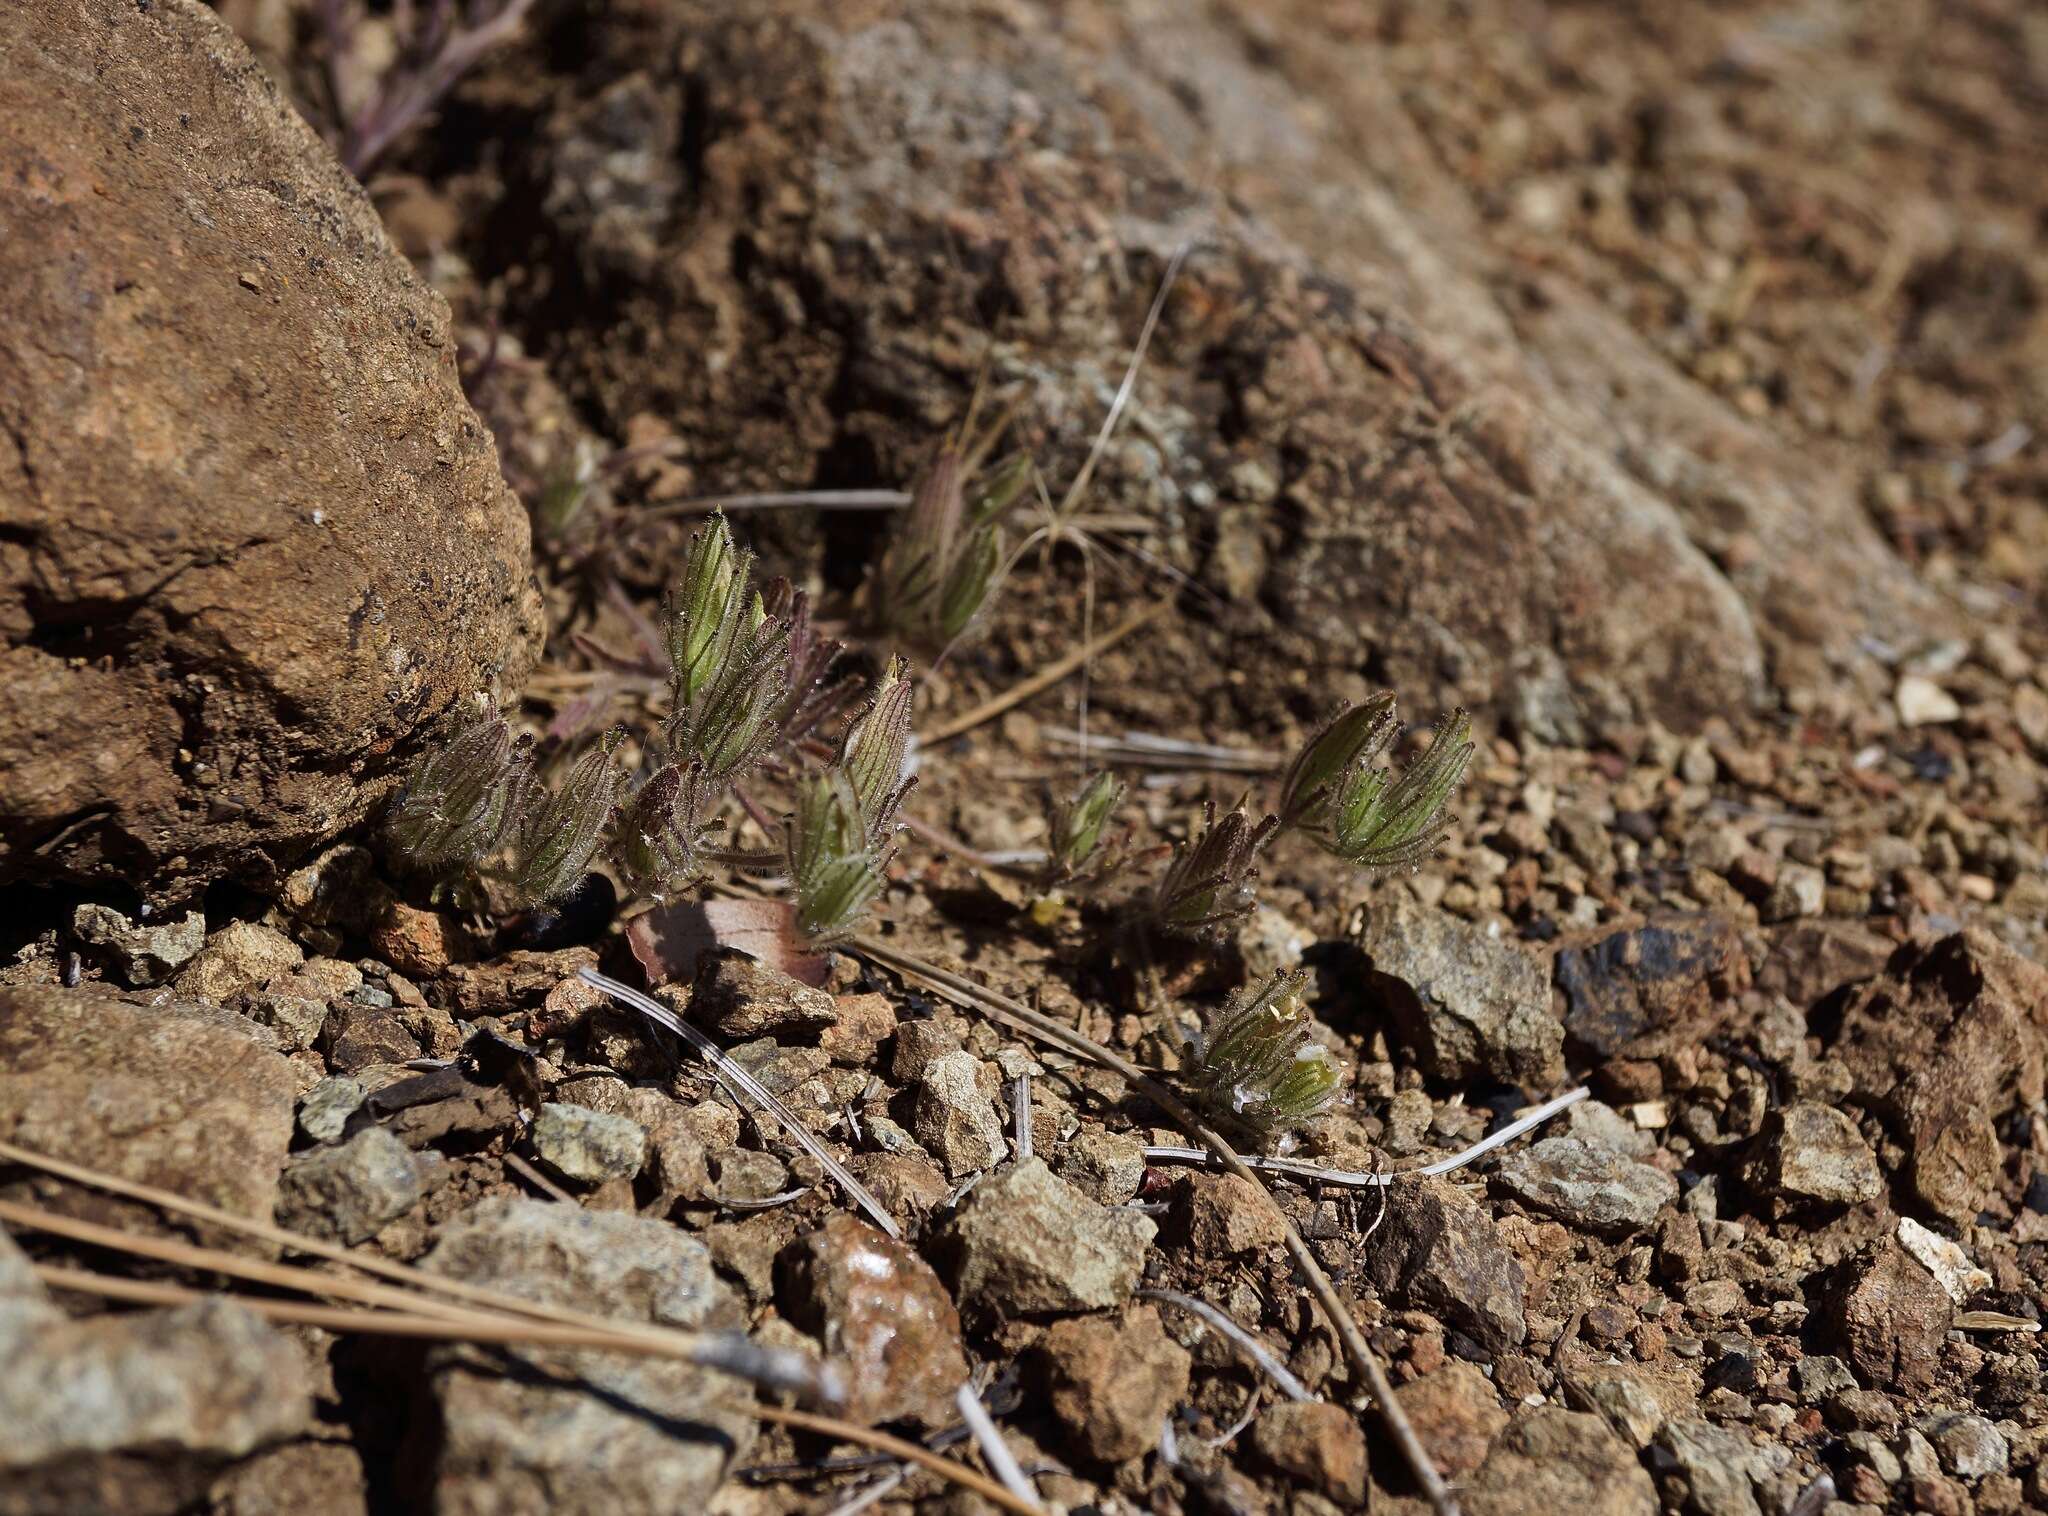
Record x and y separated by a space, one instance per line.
669 940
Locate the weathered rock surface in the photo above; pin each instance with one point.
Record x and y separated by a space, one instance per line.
1889 1316
1113 1383
139 952
131 1414
1551 1459
1025 1241
1630 993
589 1146
878 1307
252 538
1439 1251
1947 1041
1467 1004
348 1193
181 1096
1471 473
1587 1186
1812 1154
570 1432
1319 1444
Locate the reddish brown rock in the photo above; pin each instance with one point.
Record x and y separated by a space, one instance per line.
1314 1442
741 998
180 1096
1635 993
1949 1039
1553 1460
1223 1216
1112 1384
1441 1252
1457 1413
1889 1316
880 1309
253 541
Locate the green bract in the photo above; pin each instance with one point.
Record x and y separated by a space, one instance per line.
1211 881
834 865
1257 1063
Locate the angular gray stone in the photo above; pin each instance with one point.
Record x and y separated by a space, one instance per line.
1107 1166
324 1109
1819 1376
955 1114
132 1413
1812 1154
589 1146
1440 1252
564 1432
1465 1004
1586 1186
1717 1465
1970 1447
351 1192
140 952
1025 1241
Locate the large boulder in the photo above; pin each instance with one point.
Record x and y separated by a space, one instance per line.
1388 446
252 537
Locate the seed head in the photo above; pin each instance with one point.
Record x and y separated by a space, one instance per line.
461 801
1351 739
1075 849
709 608
558 834
876 747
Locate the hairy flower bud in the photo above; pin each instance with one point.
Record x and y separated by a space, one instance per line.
1376 824
1075 842
1256 1062
560 833
1211 882
876 748
708 609
833 863
1348 741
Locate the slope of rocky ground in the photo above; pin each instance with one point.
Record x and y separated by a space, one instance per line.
1664 386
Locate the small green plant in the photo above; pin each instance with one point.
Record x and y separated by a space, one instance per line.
1077 850
1336 794
747 684
943 559
1333 792
477 806
1256 1061
839 841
